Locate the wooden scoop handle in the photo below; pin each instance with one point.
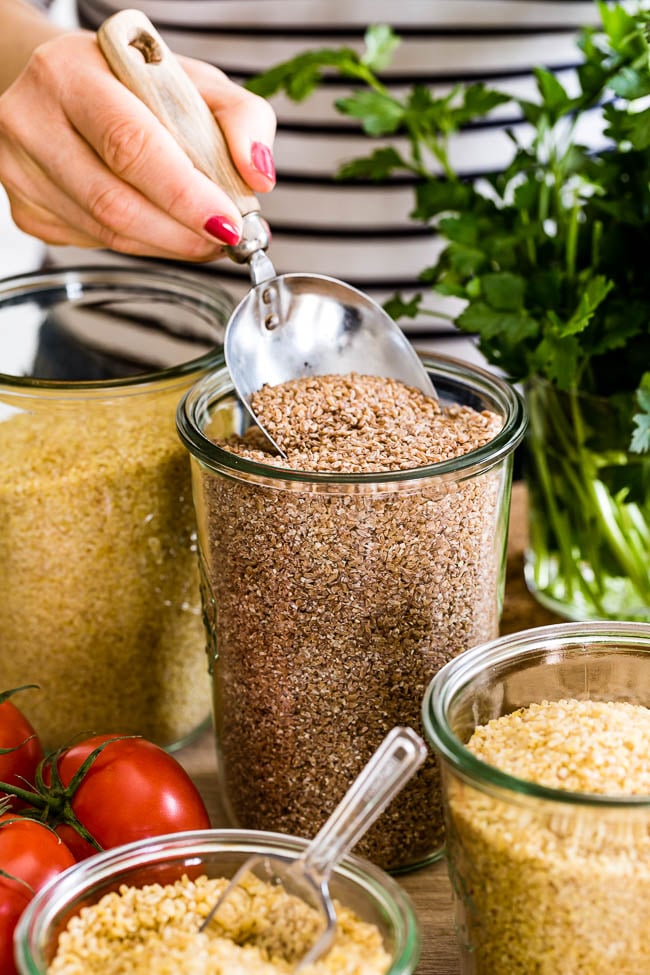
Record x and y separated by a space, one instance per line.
138 56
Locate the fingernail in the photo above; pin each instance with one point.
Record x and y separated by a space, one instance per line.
262 159
223 229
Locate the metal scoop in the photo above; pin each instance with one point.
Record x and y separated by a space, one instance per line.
307 878
289 325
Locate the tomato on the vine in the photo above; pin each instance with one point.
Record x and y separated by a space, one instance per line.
132 790
30 855
20 748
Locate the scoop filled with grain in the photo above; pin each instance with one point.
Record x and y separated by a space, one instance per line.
338 580
544 744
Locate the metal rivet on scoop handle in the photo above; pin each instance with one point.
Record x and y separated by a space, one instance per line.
289 325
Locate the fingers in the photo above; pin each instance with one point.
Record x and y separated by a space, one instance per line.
91 202
157 196
64 227
145 155
247 121
142 154
85 162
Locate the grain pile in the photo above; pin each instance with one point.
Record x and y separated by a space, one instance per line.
100 596
337 602
262 930
550 887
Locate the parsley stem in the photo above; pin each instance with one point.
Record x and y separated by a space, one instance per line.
544 200
572 241
529 243
596 237
589 540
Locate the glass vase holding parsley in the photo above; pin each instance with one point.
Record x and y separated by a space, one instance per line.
549 260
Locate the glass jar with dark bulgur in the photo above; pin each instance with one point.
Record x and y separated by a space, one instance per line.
337 582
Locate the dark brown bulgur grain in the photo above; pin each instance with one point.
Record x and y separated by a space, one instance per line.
333 605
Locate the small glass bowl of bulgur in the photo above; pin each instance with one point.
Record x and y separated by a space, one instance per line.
543 739
137 910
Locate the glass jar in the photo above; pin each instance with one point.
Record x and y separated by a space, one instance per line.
589 505
544 880
371 894
98 570
331 600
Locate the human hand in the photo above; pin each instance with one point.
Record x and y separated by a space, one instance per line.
84 162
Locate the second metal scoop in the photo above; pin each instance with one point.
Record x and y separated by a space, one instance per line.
289 325
307 878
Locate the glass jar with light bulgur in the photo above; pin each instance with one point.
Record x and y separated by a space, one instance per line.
138 909
544 743
99 575
335 584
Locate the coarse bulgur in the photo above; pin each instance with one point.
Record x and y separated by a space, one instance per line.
553 886
154 930
98 570
333 603
360 424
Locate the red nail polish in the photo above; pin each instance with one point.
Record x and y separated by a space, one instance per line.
262 159
223 229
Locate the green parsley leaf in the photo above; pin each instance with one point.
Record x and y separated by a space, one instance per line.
379 165
435 197
637 129
630 82
591 298
397 308
379 113
381 43
504 291
300 76
489 322
555 357
554 97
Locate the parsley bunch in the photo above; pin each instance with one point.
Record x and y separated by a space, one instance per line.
551 256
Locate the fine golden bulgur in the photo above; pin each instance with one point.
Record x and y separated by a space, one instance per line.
262 930
548 886
336 603
98 570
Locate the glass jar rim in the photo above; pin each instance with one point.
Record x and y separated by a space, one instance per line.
68 280
456 674
392 899
194 407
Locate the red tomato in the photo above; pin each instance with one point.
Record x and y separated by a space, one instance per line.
20 749
12 904
133 790
33 854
